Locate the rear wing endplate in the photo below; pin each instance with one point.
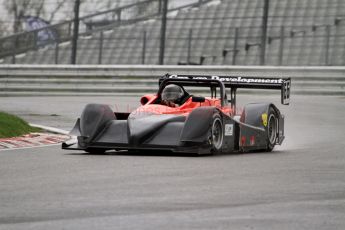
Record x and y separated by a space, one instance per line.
235 82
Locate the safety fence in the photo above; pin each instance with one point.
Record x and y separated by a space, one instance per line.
63 32
205 32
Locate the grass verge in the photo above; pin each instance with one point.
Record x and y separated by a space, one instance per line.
13 126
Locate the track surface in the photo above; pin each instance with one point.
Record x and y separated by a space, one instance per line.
301 185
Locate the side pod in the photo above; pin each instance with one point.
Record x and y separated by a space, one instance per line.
252 114
256 115
92 121
198 124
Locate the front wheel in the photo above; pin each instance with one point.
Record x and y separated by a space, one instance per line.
272 129
217 133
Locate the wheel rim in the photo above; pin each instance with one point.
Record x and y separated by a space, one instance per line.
217 133
272 129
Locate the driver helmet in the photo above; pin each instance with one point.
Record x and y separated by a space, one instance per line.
172 93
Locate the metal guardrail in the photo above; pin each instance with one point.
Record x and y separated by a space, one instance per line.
142 71
67 80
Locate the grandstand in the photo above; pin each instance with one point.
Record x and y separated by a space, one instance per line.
217 32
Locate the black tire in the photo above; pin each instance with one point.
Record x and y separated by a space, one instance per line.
95 151
272 129
217 133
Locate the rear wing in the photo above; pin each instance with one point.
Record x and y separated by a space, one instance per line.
235 82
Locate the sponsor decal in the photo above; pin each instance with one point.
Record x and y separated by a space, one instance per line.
229 129
243 141
264 119
232 79
248 80
252 140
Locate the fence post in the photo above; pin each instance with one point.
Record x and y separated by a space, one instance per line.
144 48
75 32
100 51
328 34
34 46
119 15
14 49
70 29
264 32
234 53
163 33
56 52
159 6
190 37
281 46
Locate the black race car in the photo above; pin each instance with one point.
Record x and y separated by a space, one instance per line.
187 123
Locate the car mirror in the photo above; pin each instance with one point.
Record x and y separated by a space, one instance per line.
198 99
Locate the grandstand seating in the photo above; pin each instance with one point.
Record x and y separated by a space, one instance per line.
307 39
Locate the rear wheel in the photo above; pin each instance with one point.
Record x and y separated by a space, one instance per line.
272 129
217 133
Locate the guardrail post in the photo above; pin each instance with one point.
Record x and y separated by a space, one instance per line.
190 37
281 46
328 34
144 48
100 51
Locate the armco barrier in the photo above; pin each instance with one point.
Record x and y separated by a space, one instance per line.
139 79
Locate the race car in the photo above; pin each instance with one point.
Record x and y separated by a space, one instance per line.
176 120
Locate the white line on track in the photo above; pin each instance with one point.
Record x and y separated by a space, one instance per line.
31 147
50 129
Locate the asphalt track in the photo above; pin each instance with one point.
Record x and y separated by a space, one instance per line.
300 185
